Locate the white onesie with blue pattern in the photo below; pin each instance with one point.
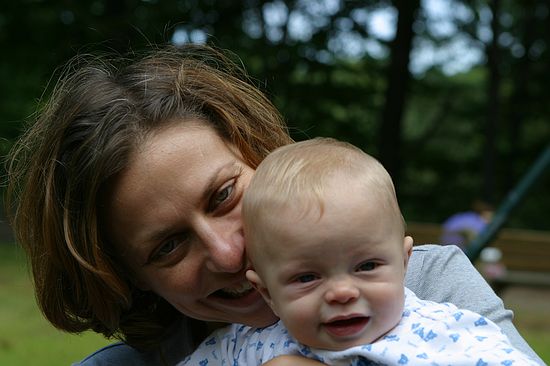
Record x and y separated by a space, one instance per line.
429 333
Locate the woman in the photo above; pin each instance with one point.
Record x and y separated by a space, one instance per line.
126 196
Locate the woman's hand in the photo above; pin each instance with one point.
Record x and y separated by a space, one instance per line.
292 360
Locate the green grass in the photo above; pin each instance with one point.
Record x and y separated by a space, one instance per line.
534 325
26 337
539 341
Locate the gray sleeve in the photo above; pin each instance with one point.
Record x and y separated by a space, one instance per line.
445 274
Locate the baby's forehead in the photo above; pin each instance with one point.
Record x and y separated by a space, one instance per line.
365 182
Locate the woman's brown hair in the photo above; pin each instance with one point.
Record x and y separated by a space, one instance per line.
99 112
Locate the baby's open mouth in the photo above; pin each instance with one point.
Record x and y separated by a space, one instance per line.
347 327
235 292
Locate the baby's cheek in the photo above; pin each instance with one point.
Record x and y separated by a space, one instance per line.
299 314
391 306
303 324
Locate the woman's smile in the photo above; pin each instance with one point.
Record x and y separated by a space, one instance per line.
235 292
243 297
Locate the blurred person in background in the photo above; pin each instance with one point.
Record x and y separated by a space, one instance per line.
460 228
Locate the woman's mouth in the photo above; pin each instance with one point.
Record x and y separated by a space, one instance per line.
235 292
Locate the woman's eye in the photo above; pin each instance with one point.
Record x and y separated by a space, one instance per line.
366 266
222 195
306 278
167 248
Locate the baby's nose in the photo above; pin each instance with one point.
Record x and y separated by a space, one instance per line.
341 292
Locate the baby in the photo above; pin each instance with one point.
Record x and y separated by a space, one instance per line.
326 240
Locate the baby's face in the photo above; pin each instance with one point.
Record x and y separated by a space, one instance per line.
336 281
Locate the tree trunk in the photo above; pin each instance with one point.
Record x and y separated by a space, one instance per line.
493 107
398 77
520 98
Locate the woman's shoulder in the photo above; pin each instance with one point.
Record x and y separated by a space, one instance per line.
440 272
116 354
436 250
436 257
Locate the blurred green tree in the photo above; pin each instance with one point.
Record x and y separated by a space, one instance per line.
331 75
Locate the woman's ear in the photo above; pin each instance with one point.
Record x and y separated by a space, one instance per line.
256 281
407 249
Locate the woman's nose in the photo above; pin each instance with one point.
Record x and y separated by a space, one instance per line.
341 292
225 247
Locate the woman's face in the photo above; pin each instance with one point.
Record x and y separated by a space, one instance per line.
175 217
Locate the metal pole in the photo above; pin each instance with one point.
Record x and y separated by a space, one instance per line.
512 200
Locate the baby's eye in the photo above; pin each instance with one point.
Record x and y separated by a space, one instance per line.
366 266
306 278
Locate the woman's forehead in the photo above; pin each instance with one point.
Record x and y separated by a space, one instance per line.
184 154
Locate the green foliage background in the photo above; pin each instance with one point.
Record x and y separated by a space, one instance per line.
322 90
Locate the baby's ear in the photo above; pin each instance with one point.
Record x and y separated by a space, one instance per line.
258 284
407 249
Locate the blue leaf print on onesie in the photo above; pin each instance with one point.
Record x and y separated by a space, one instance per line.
259 345
203 362
431 335
423 356
392 338
481 321
480 362
305 350
288 343
403 360
455 337
425 337
368 347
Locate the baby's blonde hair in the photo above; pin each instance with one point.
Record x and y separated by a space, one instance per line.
297 176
